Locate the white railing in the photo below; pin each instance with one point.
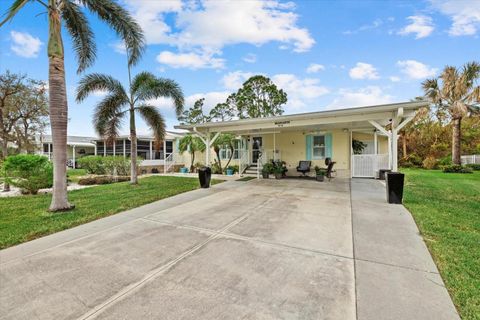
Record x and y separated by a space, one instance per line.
471 159
168 162
242 161
367 165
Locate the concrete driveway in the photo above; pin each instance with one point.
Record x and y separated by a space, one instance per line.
264 249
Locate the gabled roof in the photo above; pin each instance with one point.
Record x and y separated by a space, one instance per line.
346 118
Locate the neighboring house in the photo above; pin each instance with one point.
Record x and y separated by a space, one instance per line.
315 136
154 157
76 147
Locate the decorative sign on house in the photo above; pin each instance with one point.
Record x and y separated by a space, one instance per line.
281 123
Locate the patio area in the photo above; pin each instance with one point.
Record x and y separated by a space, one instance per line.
263 249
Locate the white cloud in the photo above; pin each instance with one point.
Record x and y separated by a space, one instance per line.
25 45
421 26
250 58
118 47
211 100
465 15
234 80
374 25
301 92
315 67
394 79
415 69
364 71
190 60
348 98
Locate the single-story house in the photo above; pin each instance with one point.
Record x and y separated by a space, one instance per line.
315 136
77 147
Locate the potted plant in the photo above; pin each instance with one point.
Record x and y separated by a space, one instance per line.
267 170
278 170
320 173
184 170
230 171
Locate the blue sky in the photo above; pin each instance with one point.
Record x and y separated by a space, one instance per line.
324 54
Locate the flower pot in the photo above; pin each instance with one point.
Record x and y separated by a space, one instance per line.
183 170
265 175
278 175
229 172
320 177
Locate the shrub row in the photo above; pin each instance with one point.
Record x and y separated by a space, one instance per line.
473 166
88 181
455 168
29 172
105 165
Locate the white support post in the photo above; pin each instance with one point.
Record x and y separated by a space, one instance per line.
49 151
95 148
114 147
390 162
165 149
375 142
124 149
73 159
351 154
207 150
104 148
274 146
151 149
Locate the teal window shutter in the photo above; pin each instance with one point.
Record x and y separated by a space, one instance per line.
308 145
328 146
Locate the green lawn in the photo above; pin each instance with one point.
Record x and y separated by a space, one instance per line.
446 208
25 218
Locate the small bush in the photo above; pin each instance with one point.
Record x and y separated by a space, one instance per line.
455 168
216 168
92 180
92 164
473 166
117 166
29 172
268 168
430 163
445 161
412 160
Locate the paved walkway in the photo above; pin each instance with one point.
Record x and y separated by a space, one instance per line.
266 249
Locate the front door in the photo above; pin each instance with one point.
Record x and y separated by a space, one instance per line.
256 149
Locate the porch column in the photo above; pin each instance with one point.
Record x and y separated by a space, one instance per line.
165 149
104 148
375 142
124 149
151 158
274 146
114 148
207 150
49 152
95 148
73 158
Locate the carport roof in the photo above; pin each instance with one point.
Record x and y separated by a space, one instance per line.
348 118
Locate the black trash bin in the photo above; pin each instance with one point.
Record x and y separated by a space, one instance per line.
394 182
382 172
204 175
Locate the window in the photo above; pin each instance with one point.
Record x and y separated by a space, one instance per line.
318 147
225 151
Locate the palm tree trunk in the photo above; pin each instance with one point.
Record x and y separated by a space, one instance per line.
231 156
193 160
456 141
133 148
58 110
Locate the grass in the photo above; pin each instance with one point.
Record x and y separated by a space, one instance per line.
446 208
25 218
75 174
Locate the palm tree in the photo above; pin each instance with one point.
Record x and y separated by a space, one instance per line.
120 103
191 144
70 14
456 91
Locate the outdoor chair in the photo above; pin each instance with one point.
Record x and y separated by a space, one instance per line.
304 167
330 170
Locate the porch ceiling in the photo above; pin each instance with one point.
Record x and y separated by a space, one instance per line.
352 118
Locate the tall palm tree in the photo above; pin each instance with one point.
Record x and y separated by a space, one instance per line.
121 103
458 92
191 144
70 14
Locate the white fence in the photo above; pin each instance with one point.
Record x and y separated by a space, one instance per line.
471 159
367 165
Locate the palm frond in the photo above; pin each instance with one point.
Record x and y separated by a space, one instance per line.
432 90
471 73
141 82
154 120
12 11
107 111
123 23
166 88
99 82
82 35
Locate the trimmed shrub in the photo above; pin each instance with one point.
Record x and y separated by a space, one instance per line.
92 180
29 172
117 166
445 161
455 168
473 166
92 164
430 163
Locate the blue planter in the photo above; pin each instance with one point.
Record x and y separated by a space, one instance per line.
183 170
229 172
